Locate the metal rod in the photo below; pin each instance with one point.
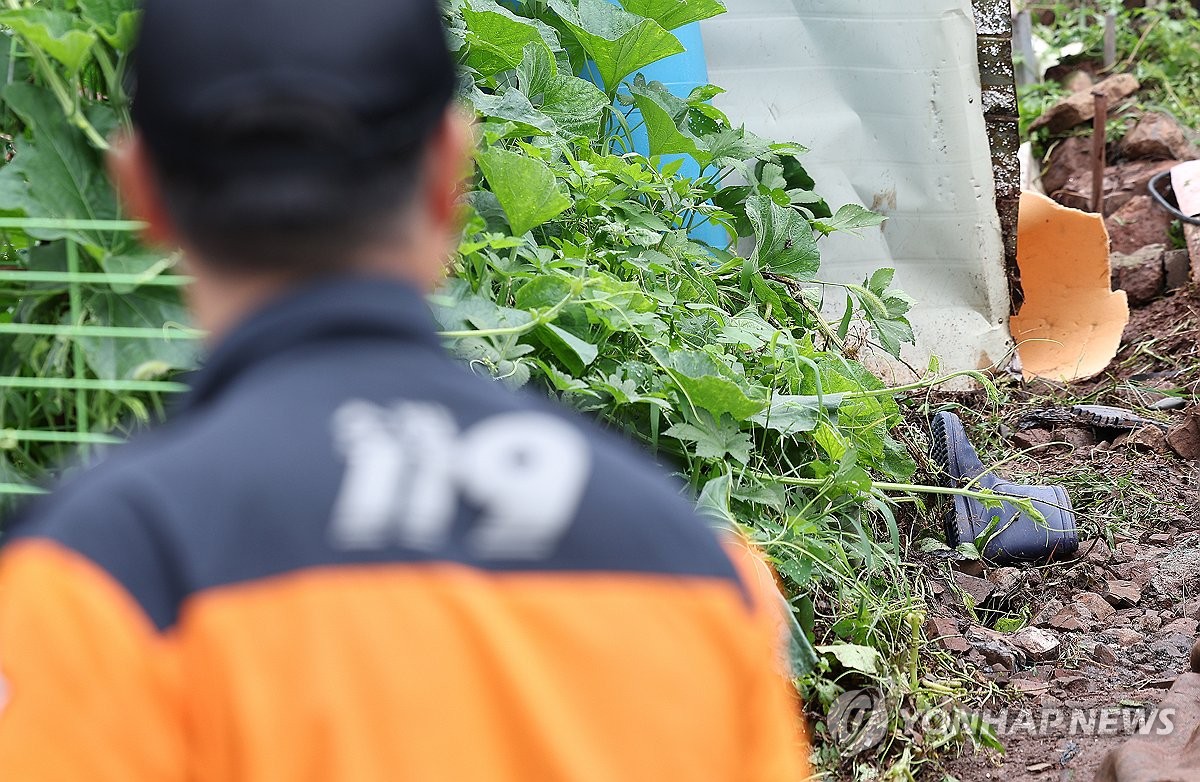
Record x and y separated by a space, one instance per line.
1110 40
98 278
55 224
1099 151
78 360
1023 41
114 332
89 384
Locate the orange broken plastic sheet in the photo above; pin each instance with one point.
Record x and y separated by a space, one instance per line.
1070 325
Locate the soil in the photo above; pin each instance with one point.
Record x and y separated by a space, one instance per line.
1138 504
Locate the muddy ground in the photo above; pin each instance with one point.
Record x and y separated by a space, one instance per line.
1113 629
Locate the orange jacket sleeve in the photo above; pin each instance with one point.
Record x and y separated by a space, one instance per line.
88 690
778 744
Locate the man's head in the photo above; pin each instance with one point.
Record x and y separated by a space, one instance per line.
294 138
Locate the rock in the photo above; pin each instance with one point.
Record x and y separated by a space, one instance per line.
1177 268
1096 551
1140 274
1123 637
1183 626
971 567
1070 161
1048 610
1080 107
1070 681
1040 645
1122 594
980 589
1104 655
998 653
1178 573
1184 437
1194 657
1139 223
1032 438
944 632
1006 579
1172 645
1102 613
1076 436
1079 81
1071 618
1122 181
1029 684
1190 609
1157 136
1149 439
1161 538
1127 551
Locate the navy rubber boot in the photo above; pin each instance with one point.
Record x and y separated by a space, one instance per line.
1016 536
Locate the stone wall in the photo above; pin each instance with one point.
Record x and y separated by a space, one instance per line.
993 21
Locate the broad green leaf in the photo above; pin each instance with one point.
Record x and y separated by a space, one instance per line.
576 105
115 20
848 218
665 118
525 187
618 42
857 658
56 173
576 354
57 33
791 414
496 39
715 439
784 240
710 385
673 14
137 359
713 502
512 106
543 292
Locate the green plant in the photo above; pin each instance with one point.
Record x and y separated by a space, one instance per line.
578 273
1157 44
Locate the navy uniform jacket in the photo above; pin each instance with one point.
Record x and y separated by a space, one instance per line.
348 558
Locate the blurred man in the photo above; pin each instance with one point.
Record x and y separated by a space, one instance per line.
347 558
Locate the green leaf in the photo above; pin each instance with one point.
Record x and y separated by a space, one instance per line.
714 439
57 33
115 20
618 42
710 385
56 173
849 218
785 241
512 106
713 502
575 354
665 118
137 359
790 414
496 39
673 14
576 105
525 187
857 658
543 292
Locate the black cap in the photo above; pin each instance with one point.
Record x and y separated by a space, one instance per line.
222 87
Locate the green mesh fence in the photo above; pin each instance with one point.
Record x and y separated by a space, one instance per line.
76 389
